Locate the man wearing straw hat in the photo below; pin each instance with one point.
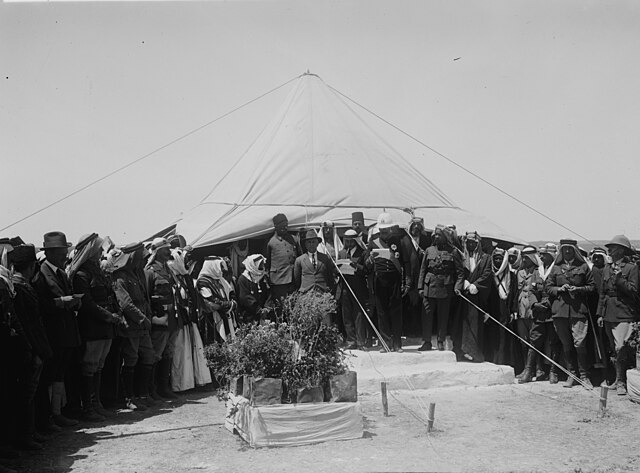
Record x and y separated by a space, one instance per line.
618 304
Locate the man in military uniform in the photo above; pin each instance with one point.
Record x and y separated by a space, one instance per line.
97 319
164 321
618 304
568 286
389 259
441 274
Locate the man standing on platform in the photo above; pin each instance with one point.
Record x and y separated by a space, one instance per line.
282 251
313 270
389 259
441 274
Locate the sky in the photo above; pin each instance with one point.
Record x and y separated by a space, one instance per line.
539 97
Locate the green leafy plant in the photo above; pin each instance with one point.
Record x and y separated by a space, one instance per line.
634 339
304 351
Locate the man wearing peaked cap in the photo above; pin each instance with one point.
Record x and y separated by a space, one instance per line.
569 284
618 305
164 322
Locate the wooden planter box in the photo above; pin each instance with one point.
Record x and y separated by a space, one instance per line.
343 388
265 391
314 394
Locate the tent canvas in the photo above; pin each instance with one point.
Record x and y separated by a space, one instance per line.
319 161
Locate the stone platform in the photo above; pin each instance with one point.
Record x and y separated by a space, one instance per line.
414 369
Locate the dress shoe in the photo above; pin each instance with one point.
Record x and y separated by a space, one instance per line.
541 375
569 382
134 406
399 350
425 347
621 388
62 421
526 377
553 377
586 382
440 346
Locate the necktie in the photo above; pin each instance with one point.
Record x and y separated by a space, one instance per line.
313 260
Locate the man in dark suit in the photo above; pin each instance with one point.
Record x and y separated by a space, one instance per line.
313 270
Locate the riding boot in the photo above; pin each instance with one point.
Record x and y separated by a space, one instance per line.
88 412
583 367
541 375
568 358
153 379
145 375
96 402
57 395
527 374
128 374
621 378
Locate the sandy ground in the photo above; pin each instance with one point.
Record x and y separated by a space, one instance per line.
532 427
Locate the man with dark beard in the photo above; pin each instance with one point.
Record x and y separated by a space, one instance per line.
389 259
469 328
441 275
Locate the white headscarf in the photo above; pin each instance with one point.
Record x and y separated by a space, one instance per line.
5 273
502 276
176 265
213 269
83 255
251 264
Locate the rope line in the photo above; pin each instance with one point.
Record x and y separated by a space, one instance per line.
460 166
135 161
562 368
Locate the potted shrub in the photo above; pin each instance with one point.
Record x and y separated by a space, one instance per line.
316 354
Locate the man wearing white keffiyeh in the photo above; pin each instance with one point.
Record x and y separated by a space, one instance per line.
218 298
503 303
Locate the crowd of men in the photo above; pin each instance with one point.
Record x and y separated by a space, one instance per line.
575 308
89 328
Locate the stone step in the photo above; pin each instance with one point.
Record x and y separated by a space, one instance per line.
424 370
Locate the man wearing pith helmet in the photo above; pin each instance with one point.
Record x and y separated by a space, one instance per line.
618 304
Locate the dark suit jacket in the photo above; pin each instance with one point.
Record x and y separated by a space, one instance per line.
307 277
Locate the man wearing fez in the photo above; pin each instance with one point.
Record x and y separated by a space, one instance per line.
618 305
389 258
133 299
58 306
357 225
441 274
97 319
282 251
313 270
568 286
355 324
164 322
36 347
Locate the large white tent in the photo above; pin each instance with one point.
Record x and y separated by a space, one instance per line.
319 161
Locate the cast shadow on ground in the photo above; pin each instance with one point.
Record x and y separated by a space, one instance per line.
60 452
